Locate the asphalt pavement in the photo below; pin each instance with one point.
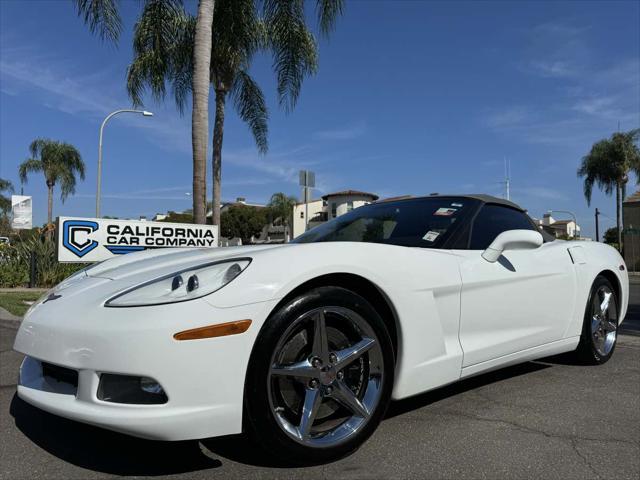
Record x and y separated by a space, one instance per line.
544 419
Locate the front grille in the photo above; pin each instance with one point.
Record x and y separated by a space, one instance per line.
60 374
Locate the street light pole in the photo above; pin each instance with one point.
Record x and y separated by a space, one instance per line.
104 122
575 220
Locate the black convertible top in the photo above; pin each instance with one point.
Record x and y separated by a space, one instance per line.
476 196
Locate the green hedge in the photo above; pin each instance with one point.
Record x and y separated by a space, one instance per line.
15 263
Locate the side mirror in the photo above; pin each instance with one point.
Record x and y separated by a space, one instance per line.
512 240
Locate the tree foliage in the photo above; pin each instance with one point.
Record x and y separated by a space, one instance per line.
5 202
60 162
608 165
102 17
281 207
610 236
243 221
176 217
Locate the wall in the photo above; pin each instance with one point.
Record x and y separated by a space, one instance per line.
315 207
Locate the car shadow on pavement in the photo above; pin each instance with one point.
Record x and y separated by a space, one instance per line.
110 452
105 451
239 449
424 399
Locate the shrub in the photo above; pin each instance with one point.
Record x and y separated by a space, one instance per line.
15 264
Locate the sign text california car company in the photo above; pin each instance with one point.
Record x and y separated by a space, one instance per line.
96 239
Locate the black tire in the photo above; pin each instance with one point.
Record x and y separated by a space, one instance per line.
587 351
260 421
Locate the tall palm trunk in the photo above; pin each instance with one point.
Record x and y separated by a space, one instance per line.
200 113
50 202
216 158
619 215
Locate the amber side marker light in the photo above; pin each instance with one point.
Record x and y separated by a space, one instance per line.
211 331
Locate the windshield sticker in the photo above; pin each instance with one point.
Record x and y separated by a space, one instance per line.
445 212
459 205
431 236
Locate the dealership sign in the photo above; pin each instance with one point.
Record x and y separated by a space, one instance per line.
97 239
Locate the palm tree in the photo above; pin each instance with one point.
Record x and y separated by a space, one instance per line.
163 53
281 207
5 202
200 111
608 164
60 162
103 18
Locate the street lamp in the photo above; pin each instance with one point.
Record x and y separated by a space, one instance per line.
124 110
575 220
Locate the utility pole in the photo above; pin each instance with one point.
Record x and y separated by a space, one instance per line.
597 225
507 179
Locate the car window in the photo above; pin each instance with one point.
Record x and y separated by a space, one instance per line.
492 220
422 222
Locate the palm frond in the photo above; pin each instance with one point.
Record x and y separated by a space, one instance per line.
292 45
182 71
60 162
5 185
158 46
250 104
102 17
328 11
28 166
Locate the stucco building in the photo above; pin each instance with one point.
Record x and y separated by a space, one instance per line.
328 207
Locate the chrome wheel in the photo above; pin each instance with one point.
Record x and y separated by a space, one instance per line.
604 320
326 376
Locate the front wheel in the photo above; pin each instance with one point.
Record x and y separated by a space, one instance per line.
600 329
320 377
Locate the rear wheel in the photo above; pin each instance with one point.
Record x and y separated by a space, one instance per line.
320 376
600 329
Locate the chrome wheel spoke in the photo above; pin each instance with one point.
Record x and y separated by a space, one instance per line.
310 407
604 306
604 320
345 356
300 369
343 394
320 346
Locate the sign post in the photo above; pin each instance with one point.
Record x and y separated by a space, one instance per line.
97 239
307 182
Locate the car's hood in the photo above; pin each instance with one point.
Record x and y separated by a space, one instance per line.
159 262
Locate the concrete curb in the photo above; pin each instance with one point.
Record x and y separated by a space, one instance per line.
8 316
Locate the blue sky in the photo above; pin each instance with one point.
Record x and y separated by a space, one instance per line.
411 98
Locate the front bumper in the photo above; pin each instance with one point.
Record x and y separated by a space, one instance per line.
203 379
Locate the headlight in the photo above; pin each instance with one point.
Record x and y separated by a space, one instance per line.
184 285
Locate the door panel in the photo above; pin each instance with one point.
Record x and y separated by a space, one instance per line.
523 300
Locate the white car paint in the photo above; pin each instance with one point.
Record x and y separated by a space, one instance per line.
456 315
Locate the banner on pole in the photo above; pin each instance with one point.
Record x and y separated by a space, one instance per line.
22 213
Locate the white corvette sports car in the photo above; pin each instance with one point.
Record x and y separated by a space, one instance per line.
303 345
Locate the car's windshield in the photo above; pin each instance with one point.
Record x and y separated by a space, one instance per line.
419 222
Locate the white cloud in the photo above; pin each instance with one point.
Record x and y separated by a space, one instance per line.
348 132
506 118
586 96
59 85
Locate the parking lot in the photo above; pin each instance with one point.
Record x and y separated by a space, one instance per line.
544 419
